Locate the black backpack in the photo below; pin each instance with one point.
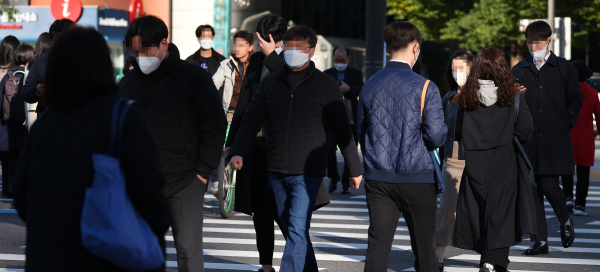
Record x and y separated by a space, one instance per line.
13 104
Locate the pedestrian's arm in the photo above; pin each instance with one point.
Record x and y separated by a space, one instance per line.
143 176
362 122
212 125
434 128
31 83
273 62
219 79
337 117
524 124
573 95
355 88
20 182
252 122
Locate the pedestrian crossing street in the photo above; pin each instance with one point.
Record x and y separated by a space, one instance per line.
339 236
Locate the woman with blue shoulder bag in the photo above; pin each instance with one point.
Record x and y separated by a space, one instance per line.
88 183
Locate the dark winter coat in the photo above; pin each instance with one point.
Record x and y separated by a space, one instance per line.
393 136
250 190
12 134
297 122
354 78
186 118
450 110
213 62
491 187
554 107
36 74
55 169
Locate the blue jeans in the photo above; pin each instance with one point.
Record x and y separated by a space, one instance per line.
295 197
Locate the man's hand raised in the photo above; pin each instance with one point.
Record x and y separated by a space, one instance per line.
237 163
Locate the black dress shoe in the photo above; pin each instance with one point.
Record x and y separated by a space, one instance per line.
261 270
333 184
345 191
537 249
441 267
567 234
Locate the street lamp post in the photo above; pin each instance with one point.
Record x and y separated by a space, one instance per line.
551 22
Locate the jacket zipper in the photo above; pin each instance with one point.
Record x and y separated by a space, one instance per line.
287 138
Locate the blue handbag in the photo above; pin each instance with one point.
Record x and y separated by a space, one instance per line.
111 228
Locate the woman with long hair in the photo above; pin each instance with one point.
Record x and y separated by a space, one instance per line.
42 45
456 75
486 216
56 166
7 49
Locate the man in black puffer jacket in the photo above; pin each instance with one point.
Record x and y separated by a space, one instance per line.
298 104
185 115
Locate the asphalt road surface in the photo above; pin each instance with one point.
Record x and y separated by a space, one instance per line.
339 236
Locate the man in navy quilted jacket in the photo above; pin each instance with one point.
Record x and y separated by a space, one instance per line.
394 139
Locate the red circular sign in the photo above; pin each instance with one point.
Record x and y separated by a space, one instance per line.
136 10
70 9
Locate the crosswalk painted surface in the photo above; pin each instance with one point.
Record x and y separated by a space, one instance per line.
339 236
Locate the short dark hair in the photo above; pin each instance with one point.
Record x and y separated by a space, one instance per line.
271 24
449 80
341 47
7 48
150 28
24 55
59 27
399 34
202 28
243 34
42 45
84 53
538 29
301 32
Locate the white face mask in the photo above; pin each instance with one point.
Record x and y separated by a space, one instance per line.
295 58
149 64
538 55
278 50
206 43
460 78
416 58
340 66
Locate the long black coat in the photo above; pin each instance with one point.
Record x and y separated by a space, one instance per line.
248 189
489 191
354 78
185 117
56 168
554 108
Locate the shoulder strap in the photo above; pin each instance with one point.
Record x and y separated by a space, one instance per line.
423 93
119 113
562 68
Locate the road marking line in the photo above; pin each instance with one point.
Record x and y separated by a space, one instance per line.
335 209
562 249
470 269
278 255
586 231
594 223
12 257
519 259
312 225
8 211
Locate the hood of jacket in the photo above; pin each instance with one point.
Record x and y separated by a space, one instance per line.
166 66
487 92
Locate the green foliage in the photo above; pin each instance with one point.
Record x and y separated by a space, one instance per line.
483 23
9 10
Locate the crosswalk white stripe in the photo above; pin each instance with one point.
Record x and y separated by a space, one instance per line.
12 257
470 269
519 259
237 241
594 223
226 266
586 231
312 225
336 209
562 249
11 270
278 255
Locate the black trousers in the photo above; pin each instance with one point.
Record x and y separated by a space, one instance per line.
386 201
548 186
332 166
9 160
187 217
265 213
583 185
497 256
